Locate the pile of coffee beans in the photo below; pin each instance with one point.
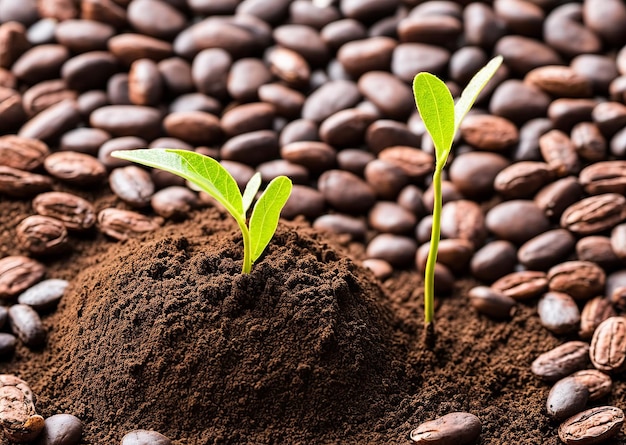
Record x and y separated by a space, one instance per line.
320 91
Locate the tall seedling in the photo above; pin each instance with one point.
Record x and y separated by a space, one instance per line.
442 118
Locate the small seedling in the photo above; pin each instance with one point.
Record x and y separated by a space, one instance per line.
442 119
211 177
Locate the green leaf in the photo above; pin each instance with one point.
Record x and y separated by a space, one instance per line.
249 193
436 107
205 172
266 213
473 89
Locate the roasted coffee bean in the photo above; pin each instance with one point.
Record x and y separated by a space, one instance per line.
565 113
209 71
494 260
18 419
288 66
491 302
385 133
580 279
89 71
488 132
388 93
618 241
45 94
595 425
429 28
123 224
554 198
132 185
130 47
287 102
522 285
83 35
44 295
142 437
122 143
453 253
459 428
386 178
380 268
313 14
7 344
346 191
605 18
389 217
518 102
145 84
305 201
42 235
608 345
560 81
520 17
616 288
61 429
299 130
546 249
75 212
527 149
449 193
559 152
11 108
354 160
52 122
156 19
558 312
304 40
174 202
128 120
22 184
75 168
522 179
589 142
41 62
251 148
27 325
105 11
117 90
594 214
517 221
248 117
610 117
415 163
13 43
194 127
84 140
565 32
176 74
601 70
474 173
523 54
328 99
597 249
410 58
561 361
335 34
246 77
395 249
346 127
463 219
22 153
567 397
18 273
594 312
411 199
598 383
604 177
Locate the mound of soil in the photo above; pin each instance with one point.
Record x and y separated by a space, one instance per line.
169 335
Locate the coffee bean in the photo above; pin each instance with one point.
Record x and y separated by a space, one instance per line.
75 212
380 268
209 71
491 302
335 34
610 117
493 261
83 35
488 132
599 69
289 66
589 142
459 428
604 177
145 84
598 383
328 99
449 193
246 77
411 199
546 249
13 43
389 217
89 70
61 429
52 122
558 312
559 152
130 47
452 253
594 214
176 75
42 235
397 250
517 221
463 219
565 32
580 279
247 118
304 40
346 191
523 54
26 325
271 169
286 101
554 198
128 120
75 168
522 285
410 58
342 224
174 202
117 90
390 95
132 185
565 113
105 11
84 140
238 170
193 127
123 224
251 148
560 81
305 201
561 361
19 419
605 18
592 426
156 19
22 184
429 28
11 108
145 437
522 179
482 26
473 173
18 273
518 102
44 295
414 162
527 148
362 56
567 397
122 143
616 288
608 345
41 62
22 153
597 249
594 312
7 344
386 178
618 241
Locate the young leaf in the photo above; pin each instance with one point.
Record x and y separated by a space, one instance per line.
473 88
205 172
249 193
436 107
266 213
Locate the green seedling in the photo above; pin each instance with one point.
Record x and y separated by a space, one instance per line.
211 177
442 118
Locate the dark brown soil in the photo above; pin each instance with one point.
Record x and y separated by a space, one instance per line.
165 333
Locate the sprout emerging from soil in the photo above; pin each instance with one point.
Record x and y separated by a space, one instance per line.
211 177
442 118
